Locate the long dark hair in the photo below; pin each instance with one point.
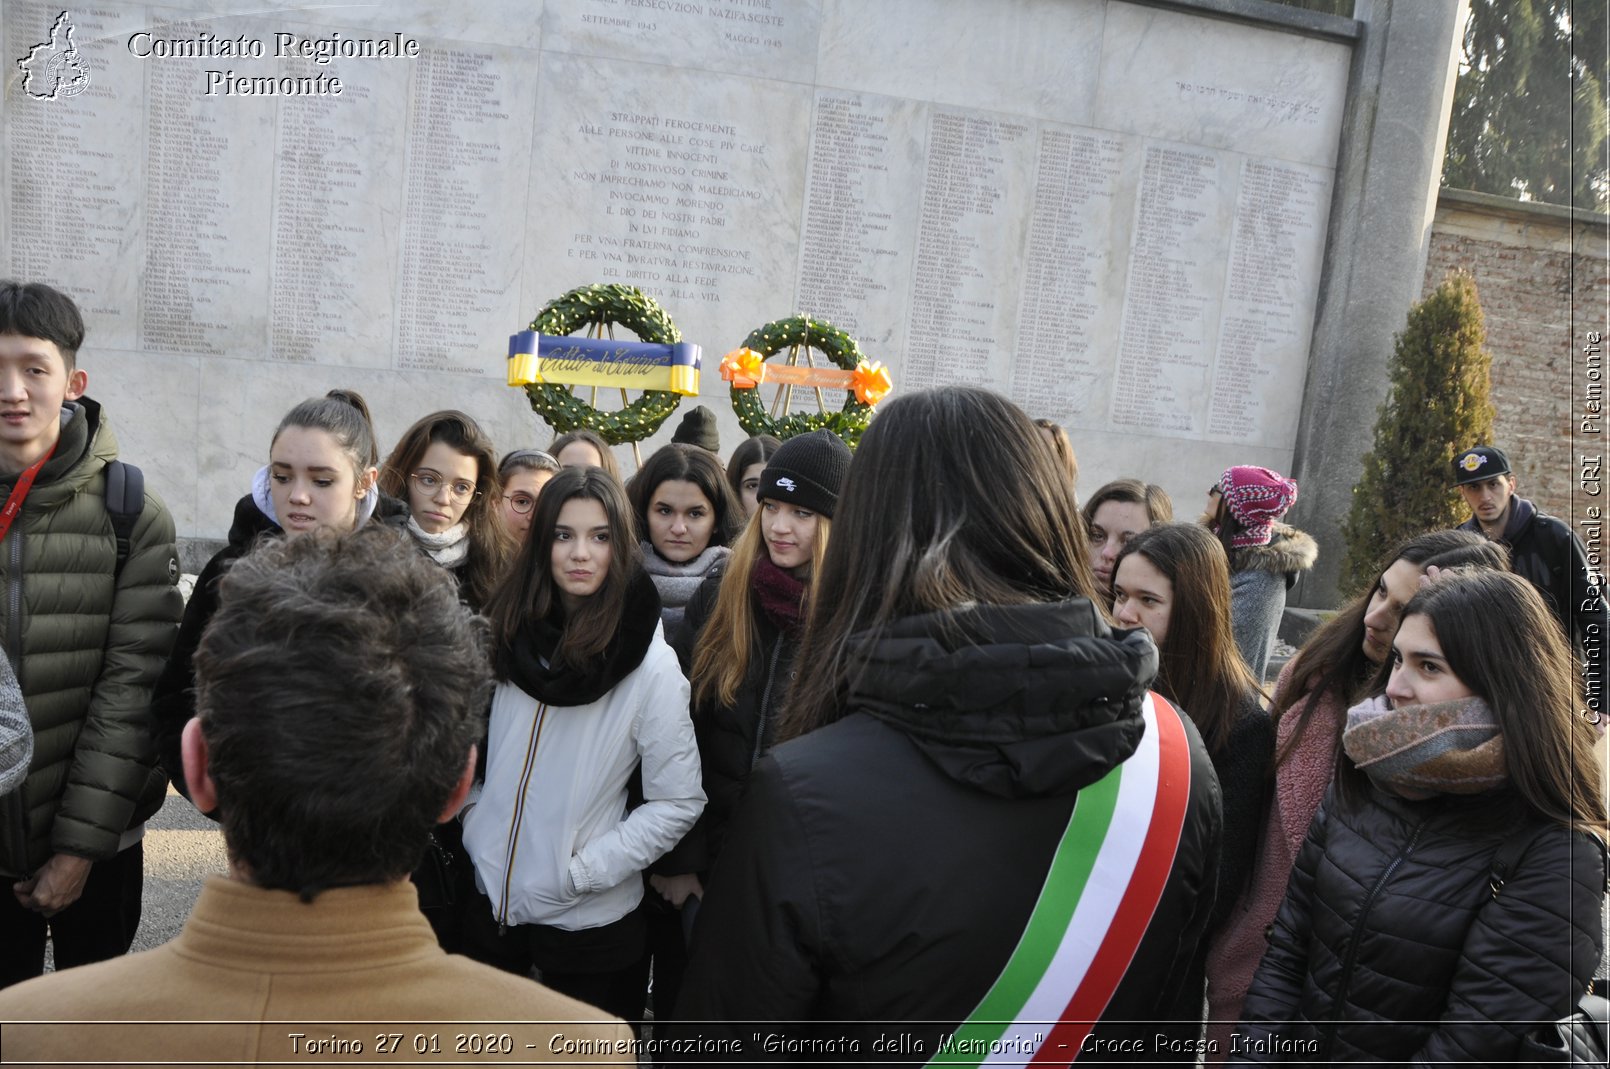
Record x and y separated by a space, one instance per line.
491 545
530 590
927 523
1502 642
750 451
1332 663
686 463
1199 667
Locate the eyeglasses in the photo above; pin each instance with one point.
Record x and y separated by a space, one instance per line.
521 503
431 481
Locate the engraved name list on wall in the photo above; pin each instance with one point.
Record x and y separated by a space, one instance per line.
1134 255
1065 311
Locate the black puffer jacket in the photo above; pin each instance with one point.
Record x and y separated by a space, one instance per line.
1391 946
731 738
882 869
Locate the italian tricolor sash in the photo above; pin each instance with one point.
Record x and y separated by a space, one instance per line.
1104 885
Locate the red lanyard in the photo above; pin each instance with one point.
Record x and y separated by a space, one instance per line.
25 482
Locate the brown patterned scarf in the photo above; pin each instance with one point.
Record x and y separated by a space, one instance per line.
1452 747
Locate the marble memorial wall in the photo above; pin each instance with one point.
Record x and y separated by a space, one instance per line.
1114 213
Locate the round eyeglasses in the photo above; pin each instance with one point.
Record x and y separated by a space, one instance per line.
521 503
432 481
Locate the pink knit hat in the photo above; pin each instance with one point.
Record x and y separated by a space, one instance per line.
1257 497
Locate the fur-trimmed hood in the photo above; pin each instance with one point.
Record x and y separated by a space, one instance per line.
1289 552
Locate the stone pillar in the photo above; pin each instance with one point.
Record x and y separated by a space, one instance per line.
1399 99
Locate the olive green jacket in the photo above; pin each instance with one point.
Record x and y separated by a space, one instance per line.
87 650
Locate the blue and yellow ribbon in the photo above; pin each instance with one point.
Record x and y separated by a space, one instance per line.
628 365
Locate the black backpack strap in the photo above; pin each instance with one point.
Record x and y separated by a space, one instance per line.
125 500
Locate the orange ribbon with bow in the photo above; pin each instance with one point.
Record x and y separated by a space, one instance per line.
871 383
746 369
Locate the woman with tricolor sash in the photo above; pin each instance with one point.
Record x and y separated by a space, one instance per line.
982 838
1447 897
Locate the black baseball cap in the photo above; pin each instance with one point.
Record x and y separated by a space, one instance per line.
1475 465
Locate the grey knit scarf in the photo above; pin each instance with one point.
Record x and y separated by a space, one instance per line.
677 582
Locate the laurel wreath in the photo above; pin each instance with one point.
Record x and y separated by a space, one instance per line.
589 306
849 423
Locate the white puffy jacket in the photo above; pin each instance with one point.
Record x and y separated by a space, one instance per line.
549 834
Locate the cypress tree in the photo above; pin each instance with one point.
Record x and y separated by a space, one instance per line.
1439 402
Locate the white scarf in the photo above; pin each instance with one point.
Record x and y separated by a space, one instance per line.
448 548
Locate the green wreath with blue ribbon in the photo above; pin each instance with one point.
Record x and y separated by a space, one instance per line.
589 306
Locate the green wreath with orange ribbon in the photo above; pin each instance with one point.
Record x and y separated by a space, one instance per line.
865 384
594 306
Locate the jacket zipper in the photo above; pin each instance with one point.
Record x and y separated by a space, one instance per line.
1352 947
765 703
519 811
14 602
15 810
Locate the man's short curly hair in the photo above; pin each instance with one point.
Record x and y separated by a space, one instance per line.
340 686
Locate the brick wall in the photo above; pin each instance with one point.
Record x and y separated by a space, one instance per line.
1532 263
